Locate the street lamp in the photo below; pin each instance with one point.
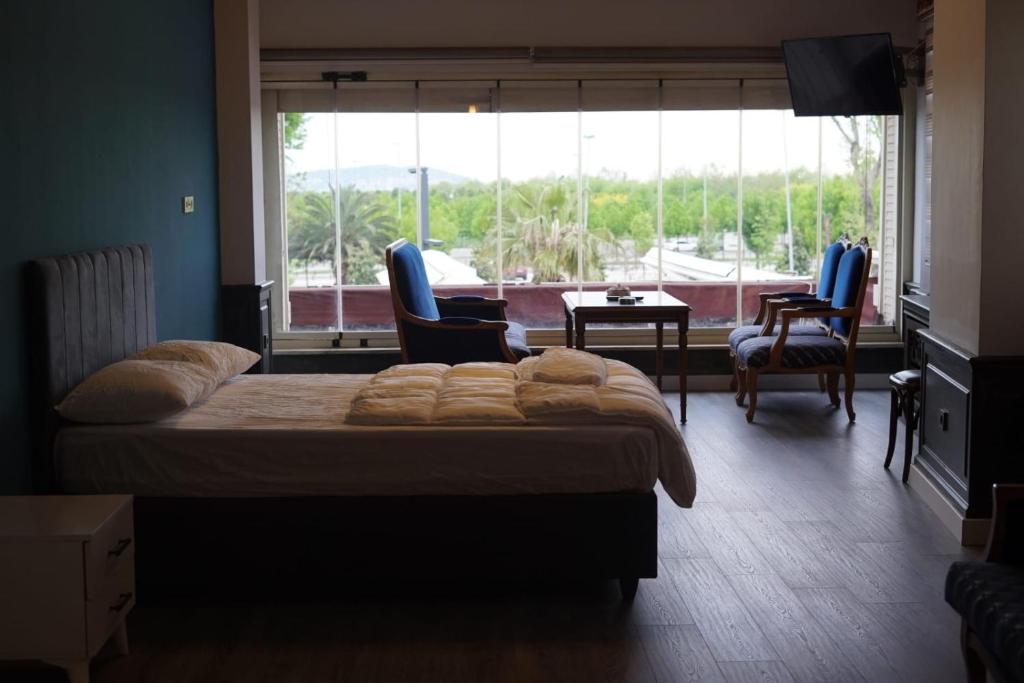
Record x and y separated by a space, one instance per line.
424 206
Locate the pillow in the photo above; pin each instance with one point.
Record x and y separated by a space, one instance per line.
224 361
569 366
133 391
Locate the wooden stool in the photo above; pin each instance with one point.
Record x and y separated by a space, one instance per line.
904 387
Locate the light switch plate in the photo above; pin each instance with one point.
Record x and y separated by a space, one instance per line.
188 204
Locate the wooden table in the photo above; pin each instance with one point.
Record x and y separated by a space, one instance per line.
657 307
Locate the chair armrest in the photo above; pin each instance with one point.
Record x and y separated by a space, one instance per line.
773 306
471 306
764 297
1007 524
465 322
790 314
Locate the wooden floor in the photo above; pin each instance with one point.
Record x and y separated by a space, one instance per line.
803 559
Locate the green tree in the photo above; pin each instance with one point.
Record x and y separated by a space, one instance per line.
643 231
295 130
863 147
764 218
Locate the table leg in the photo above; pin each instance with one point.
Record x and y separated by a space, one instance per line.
581 334
121 639
684 367
568 328
658 355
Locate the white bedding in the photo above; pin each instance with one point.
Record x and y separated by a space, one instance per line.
288 435
561 388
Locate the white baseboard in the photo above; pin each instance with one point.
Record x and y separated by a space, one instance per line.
969 532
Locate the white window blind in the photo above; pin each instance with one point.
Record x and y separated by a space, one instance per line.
534 95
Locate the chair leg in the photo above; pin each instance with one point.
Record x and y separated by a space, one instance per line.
741 384
908 416
832 381
821 382
752 390
894 417
733 382
848 385
976 672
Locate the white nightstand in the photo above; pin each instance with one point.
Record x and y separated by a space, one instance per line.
67 578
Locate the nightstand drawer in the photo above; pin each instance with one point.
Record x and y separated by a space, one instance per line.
115 599
112 547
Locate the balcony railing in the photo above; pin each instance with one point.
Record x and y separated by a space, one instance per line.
368 307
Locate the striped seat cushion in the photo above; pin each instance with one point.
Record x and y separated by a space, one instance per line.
990 598
800 351
742 334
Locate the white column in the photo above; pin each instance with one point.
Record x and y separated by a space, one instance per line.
661 190
739 216
499 217
276 236
579 190
239 144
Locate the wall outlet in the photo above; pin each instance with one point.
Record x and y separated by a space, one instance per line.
188 204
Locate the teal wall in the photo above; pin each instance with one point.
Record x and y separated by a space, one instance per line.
107 118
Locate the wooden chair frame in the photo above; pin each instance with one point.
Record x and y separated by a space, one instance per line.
746 378
770 303
453 309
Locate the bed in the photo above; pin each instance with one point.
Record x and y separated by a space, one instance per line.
264 491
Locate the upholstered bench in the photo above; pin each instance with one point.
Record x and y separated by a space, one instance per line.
989 595
990 598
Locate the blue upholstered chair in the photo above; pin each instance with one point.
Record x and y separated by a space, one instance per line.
772 302
830 354
456 329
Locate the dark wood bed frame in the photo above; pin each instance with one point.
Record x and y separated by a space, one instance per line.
92 309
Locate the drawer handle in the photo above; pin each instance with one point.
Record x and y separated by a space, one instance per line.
122 601
121 546
944 420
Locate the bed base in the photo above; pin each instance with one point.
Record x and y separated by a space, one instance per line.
258 549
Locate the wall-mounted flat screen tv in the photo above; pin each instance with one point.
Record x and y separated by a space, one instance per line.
843 75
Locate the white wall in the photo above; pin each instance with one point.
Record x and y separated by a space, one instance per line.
1002 243
239 144
977 235
957 156
574 23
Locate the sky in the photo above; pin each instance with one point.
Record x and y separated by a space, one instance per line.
539 144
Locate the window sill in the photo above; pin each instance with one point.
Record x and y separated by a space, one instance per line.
597 337
880 358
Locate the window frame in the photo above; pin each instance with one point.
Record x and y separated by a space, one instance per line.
353 340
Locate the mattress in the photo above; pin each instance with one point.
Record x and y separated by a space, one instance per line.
285 435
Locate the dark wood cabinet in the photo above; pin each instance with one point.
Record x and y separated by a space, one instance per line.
969 436
916 315
248 321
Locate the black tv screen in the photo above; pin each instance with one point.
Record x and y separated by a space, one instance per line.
843 75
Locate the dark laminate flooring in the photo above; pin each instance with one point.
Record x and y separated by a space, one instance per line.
803 560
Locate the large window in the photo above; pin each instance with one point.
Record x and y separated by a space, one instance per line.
713 191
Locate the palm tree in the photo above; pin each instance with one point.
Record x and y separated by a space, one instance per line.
365 227
540 231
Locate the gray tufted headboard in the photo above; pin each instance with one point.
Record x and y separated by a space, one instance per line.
88 310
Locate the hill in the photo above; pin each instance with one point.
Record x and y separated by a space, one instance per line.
370 178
